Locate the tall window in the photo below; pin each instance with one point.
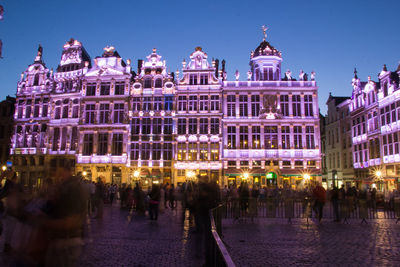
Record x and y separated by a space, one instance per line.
243 102
296 105
87 144
298 141
203 151
36 80
90 113
157 126
308 105
192 103
214 151
157 103
117 143
20 109
37 108
192 151
146 149
256 137
271 137
105 89
310 144
167 126
214 103
214 126
104 113
244 137
74 138
167 152
56 139
102 144
203 103
284 105
147 103
231 137
285 137
135 129
147 83
156 153
45 108
134 151
118 113
158 83
231 99
75 110
168 104
119 88
181 151
181 126
203 79
91 89
146 126
28 112
203 126
136 104
192 126
64 138
255 105
193 79
182 103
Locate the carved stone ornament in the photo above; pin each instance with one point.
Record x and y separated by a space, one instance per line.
269 109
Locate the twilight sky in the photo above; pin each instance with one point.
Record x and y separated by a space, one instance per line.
329 37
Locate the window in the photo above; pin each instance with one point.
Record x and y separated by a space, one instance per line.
36 80
119 88
147 83
255 105
75 111
243 102
181 126
74 138
192 126
168 104
28 112
157 103
136 104
167 126
57 112
192 155
87 144
214 126
135 129
193 79
308 106
90 113
56 139
147 103
298 143
310 144
285 137
214 151
203 151
231 99
284 105
20 110
146 126
214 103
182 102
156 152
64 138
296 105
105 89
158 83
203 126
231 137
102 144
117 143
192 103
167 153
157 126
271 137
146 149
203 103
119 113
203 79
181 151
244 138
256 137
104 113
35 111
134 151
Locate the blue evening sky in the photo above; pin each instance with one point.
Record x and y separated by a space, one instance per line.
329 37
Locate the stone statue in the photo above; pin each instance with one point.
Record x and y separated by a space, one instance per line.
301 76
313 76
249 75
237 75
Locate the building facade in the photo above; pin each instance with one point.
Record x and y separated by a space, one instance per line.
6 128
107 121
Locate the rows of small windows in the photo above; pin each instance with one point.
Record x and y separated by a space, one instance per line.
117 141
63 138
375 149
105 88
285 163
30 135
240 104
359 126
151 151
390 113
335 159
33 108
202 151
198 103
149 82
151 126
267 74
62 109
244 137
198 79
149 103
69 67
390 144
198 126
360 153
104 113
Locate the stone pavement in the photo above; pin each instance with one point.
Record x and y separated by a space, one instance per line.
267 242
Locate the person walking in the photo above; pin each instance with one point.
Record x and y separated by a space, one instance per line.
335 203
154 202
319 194
171 195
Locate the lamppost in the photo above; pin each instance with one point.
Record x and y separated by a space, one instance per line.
378 175
136 175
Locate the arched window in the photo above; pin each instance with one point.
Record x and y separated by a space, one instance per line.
36 80
158 83
385 89
147 83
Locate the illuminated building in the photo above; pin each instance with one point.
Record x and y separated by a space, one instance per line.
6 127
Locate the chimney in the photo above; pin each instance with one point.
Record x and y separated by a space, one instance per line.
140 64
216 67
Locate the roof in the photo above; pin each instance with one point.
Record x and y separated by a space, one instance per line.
266 49
338 99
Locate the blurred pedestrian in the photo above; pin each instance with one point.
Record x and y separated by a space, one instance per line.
154 202
319 194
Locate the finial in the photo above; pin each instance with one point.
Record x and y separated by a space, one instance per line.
355 73
264 29
384 67
39 54
154 50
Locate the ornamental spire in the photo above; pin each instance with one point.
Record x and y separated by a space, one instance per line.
38 57
264 29
355 73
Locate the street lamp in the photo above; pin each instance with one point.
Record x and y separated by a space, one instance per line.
378 174
84 173
246 176
190 175
4 168
307 178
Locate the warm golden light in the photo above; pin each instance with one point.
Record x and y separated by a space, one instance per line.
136 174
190 174
306 176
246 175
378 174
4 168
84 173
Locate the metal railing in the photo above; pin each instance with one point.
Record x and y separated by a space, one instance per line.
218 252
